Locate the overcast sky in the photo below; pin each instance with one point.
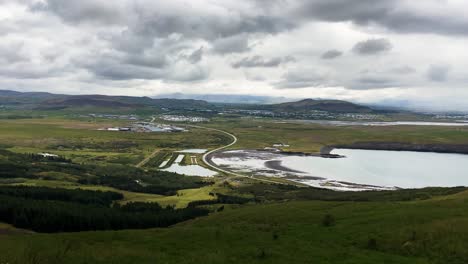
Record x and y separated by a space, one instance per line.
370 51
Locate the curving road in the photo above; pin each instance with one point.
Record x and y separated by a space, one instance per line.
213 166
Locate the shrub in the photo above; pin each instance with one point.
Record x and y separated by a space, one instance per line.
328 220
372 244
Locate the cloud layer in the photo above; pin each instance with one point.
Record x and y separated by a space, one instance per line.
311 48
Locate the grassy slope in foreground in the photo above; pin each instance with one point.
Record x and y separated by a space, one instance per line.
431 231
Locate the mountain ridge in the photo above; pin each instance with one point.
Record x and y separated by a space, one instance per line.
50 101
321 105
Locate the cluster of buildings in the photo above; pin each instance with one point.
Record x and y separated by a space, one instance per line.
312 115
110 116
145 127
458 117
182 118
360 116
152 127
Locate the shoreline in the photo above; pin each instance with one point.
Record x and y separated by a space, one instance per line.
397 146
276 165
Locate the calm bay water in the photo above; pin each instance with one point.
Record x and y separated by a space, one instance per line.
403 169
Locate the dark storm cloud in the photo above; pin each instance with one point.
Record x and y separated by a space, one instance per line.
372 46
438 73
331 54
259 61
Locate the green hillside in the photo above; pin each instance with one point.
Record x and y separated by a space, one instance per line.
431 231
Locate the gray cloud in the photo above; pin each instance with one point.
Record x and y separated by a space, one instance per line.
259 61
374 82
112 70
372 46
395 15
156 60
331 54
28 70
438 73
11 53
360 11
196 56
301 79
158 63
143 44
234 44
270 16
165 18
403 70
107 12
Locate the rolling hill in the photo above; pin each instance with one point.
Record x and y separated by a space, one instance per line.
320 105
429 231
48 101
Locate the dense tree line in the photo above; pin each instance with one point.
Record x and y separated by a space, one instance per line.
58 216
77 195
31 157
278 192
223 199
165 183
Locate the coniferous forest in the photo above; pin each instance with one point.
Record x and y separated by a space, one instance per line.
60 210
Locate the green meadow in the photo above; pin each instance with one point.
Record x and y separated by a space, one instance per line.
279 224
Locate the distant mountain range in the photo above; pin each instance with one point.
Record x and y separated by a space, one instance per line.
48 101
228 98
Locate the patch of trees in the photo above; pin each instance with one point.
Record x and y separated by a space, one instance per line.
134 179
117 145
164 183
10 169
223 199
66 195
31 157
52 216
13 117
276 192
